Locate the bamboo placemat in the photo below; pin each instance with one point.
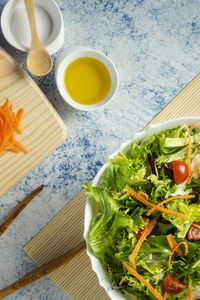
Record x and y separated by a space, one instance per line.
77 278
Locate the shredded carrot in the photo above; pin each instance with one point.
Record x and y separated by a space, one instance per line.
20 114
9 124
168 200
192 173
143 195
143 281
147 230
20 146
190 145
12 147
138 196
186 250
190 291
173 244
196 225
5 106
165 296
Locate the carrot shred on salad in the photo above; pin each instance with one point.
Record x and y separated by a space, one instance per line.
173 244
138 196
165 296
143 281
192 173
196 225
147 230
190 291
177 246
168 200
9 124
143 195
190 145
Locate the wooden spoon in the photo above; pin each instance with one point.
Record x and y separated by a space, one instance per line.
17 210
43 270
39 62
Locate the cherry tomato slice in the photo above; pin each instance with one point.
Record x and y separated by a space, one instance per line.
194 232
180 170
140 231
173 286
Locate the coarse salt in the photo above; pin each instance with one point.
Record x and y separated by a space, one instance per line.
20 25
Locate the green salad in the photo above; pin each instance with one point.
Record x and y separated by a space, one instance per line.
166 255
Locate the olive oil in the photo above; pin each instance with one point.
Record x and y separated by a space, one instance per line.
87 80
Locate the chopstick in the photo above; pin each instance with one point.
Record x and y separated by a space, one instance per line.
43 270
17 210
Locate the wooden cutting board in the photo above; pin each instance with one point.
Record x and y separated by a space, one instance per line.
43 129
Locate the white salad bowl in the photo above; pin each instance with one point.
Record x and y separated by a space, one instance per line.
96 263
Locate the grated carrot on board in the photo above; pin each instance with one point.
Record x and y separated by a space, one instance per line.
20 146
20 114
9 124
173 244
5 106
147 230
190 145
143 281
168 200
192 173
140 197
186 250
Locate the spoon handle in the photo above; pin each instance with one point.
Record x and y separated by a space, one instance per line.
30 9
43 270
17 210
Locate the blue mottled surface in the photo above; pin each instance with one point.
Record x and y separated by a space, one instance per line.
155 45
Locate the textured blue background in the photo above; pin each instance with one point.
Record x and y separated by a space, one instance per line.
155 45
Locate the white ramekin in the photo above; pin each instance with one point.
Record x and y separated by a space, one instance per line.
55 40
70 55
96 264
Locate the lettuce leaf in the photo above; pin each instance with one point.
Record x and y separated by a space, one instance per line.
191 210
110 224
179 142
126 168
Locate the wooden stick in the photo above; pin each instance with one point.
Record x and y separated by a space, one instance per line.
43 270
18 209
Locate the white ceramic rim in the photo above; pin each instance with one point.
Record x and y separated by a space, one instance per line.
56 38
95 262
76 52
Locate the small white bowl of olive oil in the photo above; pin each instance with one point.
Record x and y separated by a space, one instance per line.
86 78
